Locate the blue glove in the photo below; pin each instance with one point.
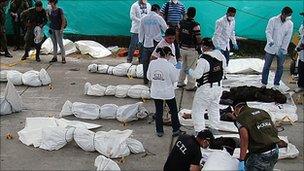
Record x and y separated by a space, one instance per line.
242 166
270 44
235 47
178 65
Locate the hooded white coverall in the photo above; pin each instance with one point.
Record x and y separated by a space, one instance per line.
206 97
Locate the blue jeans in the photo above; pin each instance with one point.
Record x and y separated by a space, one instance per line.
263 161
267 64
145 60
132 46
226 54
159 105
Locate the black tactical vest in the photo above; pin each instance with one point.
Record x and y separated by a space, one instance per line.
215 73
187 34
262 132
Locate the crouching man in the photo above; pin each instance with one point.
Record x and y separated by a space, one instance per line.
259 136
186 153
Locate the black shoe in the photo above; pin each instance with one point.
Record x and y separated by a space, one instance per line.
38 59
191 89
8 55
53 60
24 57
160 134
146 82
178 133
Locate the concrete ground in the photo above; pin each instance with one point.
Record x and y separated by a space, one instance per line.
68 85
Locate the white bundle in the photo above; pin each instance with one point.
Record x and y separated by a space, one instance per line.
139 91
3 75
121 69
14 76
92 68
122 91
102 69
132 71
128 113
110 70
94 90
31 78
221 160
84 139
44 77
11 101
108 111
104 164
110 91
85 110
135 146
140 71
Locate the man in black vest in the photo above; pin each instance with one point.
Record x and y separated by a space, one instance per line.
189 40
208 74
258 135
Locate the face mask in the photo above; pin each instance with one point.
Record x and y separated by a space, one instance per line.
288 18
230 18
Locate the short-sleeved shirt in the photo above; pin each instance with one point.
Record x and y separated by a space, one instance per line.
185 152
55 18
174 12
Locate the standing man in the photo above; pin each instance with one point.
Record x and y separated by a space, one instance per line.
300 50
150 34
15 10
186 153
32 18
168 41
208 74
189 38
173 12
278 34
258 135
224 32
138 10
3 41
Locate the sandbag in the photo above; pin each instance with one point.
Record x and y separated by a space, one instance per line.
131 112
110 91
121 69
122 91
102 69
11 101
3 76
135 146
55 138
104 164
112 144
92 48
221 160
85 110
44 77
92 68
31 78
94 90
137 91
139 71
15 77
108 111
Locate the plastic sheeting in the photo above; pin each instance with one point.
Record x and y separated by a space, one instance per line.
11 101
120 91
221 160
245 65
92 48
284 153
104 164
47 47
123 69
29 78
125 113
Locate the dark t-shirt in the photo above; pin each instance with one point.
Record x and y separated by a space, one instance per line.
55 18
185 152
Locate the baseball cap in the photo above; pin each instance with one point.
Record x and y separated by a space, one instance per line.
205 134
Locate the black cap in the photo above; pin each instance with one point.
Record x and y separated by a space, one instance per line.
205 134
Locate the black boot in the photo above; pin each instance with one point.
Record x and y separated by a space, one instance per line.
54 59
8 55
38 58
24 57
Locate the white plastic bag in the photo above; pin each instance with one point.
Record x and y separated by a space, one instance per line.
84 139
110 70
11 101
221 160
102 69
140 71
128 113
47 47
132 71
105 164
108 111
44 77
85 110
110 91
135 146
92 48
31 78
5 107
121 69
122 90
92 68
112 144
94 90
66 109
3 76
136 91
15 77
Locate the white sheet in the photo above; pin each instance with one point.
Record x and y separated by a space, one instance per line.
245 65
96 50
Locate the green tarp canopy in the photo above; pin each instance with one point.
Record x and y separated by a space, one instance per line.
111 17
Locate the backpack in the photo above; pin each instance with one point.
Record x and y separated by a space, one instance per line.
215 73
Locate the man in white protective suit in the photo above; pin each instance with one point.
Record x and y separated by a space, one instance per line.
208 74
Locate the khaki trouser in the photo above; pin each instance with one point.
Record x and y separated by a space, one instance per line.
189 58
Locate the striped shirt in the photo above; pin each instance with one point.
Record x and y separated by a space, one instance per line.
174 12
